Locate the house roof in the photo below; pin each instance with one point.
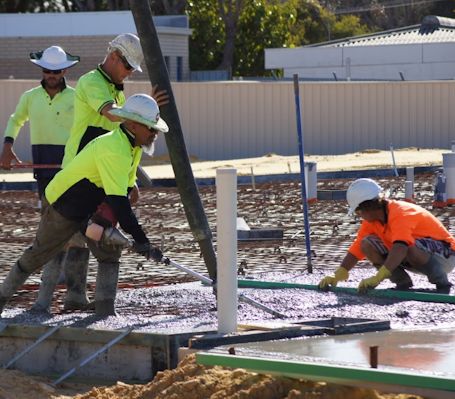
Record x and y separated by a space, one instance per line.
90 23
433 29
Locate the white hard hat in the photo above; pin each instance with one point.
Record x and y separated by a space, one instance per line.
130 47
143 109
54 58
362 190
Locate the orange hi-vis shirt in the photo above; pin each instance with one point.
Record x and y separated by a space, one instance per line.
406 222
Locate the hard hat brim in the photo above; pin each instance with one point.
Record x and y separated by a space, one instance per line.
37 59
54 67
161 125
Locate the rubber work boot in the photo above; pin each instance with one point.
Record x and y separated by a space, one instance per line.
401 278
13 280
76 268
106 288
49 279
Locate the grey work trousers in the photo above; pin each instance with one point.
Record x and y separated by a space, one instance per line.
54 231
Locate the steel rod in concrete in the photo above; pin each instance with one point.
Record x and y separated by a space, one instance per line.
395 170
226 225
384 293
32 346
331 373
302 173
92 356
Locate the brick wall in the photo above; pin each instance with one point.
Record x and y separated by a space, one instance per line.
15 63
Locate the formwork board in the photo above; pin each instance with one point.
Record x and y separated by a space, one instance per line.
138 357
413 358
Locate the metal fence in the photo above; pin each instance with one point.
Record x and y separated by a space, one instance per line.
241 119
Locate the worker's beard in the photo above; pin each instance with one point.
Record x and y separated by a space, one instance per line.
149 149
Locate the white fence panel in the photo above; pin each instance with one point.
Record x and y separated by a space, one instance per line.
226 120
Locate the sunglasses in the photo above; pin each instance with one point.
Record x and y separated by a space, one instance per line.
125 63
153 131
54 72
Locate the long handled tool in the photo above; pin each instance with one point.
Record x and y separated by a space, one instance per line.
113 236
241 297
35 166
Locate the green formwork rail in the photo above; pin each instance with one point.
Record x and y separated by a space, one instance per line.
325 372
383 293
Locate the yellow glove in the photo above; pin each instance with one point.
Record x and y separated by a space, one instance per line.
340 274
373 282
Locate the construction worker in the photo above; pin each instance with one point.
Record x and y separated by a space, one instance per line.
97 92
100 90
49 108
105 170
396 237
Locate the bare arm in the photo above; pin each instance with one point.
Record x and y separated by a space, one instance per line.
8 156
349 261
134 195
105 112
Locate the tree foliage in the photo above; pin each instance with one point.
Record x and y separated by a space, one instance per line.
232 34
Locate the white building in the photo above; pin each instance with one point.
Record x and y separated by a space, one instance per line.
87 35
419 52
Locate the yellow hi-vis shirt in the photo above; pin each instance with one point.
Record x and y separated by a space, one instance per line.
106 166
50 118
94 91
406 222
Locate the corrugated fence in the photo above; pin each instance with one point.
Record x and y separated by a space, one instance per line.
240 119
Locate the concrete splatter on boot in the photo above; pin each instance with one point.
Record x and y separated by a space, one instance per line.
76 267
49 279
14 279
106 288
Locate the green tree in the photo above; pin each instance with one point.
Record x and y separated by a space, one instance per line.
347 26
263 24
206 42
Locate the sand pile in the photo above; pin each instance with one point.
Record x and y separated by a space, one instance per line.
192 381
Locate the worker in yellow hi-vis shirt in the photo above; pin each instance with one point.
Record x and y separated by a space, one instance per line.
105 170
49 108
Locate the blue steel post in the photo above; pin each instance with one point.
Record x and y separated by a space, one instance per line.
302 173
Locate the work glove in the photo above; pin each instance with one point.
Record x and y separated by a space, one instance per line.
340 274
147 250
373 282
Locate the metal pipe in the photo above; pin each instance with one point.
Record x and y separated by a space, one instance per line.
186 185
302 173
395 170
374 357
34 166
251 301
206 280
189 271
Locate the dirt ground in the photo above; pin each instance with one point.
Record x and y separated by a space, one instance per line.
271 164
192 381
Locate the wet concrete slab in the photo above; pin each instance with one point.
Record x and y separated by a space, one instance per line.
426 351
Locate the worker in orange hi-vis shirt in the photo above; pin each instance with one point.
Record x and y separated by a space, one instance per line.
396 237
